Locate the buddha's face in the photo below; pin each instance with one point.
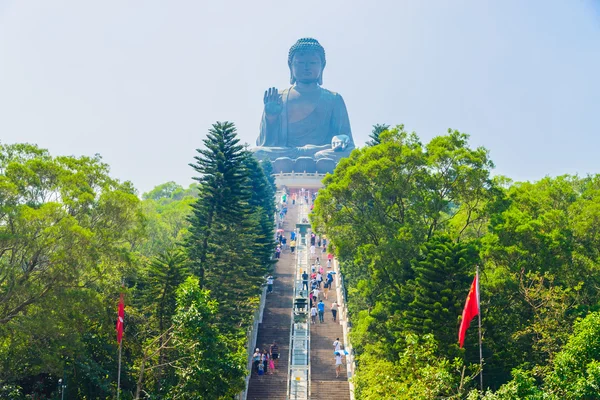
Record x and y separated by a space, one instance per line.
307 66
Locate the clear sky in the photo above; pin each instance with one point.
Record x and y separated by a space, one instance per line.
140 82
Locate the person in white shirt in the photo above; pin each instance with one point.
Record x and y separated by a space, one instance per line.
337 345
338 363
313 315
316 294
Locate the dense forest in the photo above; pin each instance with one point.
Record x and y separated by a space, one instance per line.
72 239
411 221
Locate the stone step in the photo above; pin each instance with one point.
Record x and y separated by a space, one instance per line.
329 390
268 387
324 384
276 326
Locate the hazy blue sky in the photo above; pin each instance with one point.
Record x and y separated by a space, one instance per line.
140 82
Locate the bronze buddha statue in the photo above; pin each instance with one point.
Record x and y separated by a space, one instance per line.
305 121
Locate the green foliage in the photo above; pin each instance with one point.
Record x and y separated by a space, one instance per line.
70 234
262 195
576 369
229 232
210 365
63 221
165 273
66 230
419 372
381 207
169 192
377 130
409 222
442 276
543 258
167 209
575 373
523 386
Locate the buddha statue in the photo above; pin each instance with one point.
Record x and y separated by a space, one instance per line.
304 121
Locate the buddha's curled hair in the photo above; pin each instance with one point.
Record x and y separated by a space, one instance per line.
307 44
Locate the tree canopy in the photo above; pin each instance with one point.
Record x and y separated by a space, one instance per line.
72 238
410 222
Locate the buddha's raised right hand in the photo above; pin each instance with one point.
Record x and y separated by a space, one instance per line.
273 103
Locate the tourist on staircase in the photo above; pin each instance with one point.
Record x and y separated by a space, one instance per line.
321 308
338 363
334 310
256 359
274 350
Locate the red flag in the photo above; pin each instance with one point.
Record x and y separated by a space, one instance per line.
120 319
471 310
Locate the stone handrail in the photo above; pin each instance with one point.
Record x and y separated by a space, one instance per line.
298 174
346 325
252 333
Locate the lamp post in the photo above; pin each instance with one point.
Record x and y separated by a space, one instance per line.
61 387
303 229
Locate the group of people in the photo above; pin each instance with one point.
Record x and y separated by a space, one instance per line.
317 306
266 360
282 242
319 309
317 278
303 196
339 353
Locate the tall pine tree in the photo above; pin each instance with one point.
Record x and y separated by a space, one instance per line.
377 129
225 243
442 276
262 202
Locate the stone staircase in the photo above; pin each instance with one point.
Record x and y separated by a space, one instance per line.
324 384
276 324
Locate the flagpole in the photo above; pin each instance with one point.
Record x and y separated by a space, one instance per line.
480 350
120 335
119 374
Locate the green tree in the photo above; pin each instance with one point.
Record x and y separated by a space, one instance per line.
226 244
163 276
575 373
209 365
576 369
165 273
167 209
418 373
442 277
377 129
262 204
542 255
380 207
63 221
68 232
223 192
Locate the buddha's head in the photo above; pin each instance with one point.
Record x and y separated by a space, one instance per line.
306 60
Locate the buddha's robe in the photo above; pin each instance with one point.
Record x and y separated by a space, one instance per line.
310 136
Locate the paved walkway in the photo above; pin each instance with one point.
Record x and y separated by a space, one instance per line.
276 323
324 384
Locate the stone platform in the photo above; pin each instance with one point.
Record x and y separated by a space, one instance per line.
299 180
